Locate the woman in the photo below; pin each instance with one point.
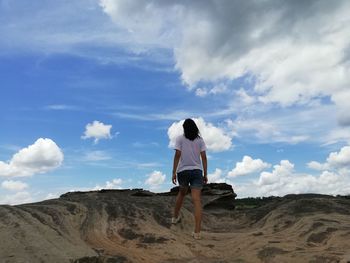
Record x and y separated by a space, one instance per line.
187 169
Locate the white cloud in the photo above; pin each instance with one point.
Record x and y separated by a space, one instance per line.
145 145
114 184
284 169
333 178
317 166
248 166
98 131
215 138
329 178
96 156
244 98
148 165
284 180
175 115
294 183
61 107
17 198
265 130
201 92
315 124
341 159
144 22
216 176
295 52
155 179
218 89
14 185
51 196
341 134
41 157
335 161
58 28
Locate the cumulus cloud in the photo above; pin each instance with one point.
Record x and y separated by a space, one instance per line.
317 166
295 51
17 198
336 161
41 157
155 179
215 138
340 159
98 131
248 166
332 177
14 185
216 176
284 169
113 184
285 180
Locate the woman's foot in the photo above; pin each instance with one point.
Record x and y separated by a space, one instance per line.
196 235
175 220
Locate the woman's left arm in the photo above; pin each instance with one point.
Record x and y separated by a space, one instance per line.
205 166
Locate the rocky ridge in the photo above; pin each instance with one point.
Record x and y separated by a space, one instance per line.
134 226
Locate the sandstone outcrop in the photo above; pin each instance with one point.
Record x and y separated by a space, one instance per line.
134 226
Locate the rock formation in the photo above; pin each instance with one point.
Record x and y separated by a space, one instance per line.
134 226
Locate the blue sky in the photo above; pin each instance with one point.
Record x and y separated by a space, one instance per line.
93 94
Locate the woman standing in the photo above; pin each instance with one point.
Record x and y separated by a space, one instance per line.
190 171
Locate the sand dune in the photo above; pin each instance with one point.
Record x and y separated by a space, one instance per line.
134 226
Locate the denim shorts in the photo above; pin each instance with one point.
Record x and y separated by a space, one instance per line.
194 178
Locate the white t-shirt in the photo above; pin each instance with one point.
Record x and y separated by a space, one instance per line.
190 153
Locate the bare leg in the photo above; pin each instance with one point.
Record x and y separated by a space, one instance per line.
179 200
196 198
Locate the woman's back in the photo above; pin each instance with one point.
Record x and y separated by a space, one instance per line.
190 152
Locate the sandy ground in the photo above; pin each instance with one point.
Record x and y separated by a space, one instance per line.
117 227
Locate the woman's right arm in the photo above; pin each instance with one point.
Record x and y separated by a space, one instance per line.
205 166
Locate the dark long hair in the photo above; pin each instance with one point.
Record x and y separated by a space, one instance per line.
191 130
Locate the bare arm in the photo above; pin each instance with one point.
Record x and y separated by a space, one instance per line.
175 164
205 166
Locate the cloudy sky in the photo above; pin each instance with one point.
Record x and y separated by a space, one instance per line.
94 92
